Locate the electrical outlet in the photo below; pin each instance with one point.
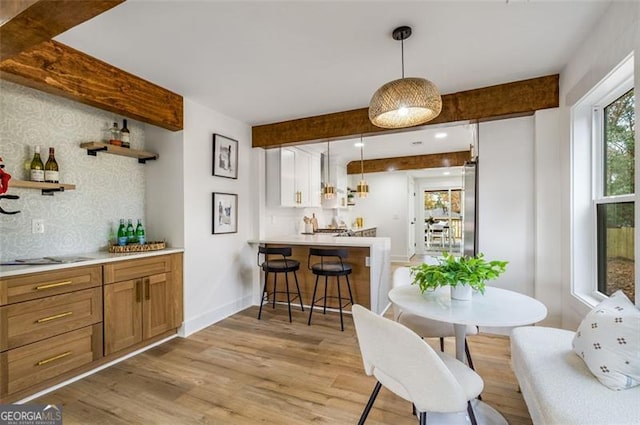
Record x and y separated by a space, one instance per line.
37 226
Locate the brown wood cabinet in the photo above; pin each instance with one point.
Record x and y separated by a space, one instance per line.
52 325
147 303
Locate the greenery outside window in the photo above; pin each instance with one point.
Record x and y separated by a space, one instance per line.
614 194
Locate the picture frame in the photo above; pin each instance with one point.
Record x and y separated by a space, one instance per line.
224 213
225 157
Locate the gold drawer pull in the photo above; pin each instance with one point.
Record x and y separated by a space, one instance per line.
59 356
53 285
55 316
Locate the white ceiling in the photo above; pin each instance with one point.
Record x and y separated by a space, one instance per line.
416 142
265 61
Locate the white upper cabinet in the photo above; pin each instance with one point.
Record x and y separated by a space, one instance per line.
293 178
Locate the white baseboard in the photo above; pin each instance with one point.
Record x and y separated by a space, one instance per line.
196 324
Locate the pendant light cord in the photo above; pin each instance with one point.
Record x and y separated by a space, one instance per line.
328 164
402 53
361 160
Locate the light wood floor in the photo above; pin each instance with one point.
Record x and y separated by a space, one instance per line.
245 371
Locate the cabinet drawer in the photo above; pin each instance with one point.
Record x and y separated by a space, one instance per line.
133 269
31 321
38 285
29 365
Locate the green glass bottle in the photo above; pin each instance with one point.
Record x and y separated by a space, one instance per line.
140 235
131 235
122 233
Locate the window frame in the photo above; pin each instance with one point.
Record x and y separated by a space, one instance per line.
587 133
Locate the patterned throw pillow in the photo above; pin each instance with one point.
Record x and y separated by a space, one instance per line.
608 340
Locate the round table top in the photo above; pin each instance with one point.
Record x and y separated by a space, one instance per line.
496 308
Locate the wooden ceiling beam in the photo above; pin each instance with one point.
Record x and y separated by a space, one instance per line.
27 23
415 162
509 99
58 69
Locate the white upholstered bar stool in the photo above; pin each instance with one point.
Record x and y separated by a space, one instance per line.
424 327
407 366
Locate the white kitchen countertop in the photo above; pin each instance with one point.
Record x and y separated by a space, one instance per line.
100 257
326 239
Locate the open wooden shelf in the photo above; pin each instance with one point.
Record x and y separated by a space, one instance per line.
94 147
47 188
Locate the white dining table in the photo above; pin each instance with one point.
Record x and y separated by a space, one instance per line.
496 308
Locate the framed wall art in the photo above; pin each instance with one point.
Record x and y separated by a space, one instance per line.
225 157
225 213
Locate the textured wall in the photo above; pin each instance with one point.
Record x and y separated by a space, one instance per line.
108 187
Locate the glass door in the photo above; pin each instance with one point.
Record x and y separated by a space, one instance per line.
443 220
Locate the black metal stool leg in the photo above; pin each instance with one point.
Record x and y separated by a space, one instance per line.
275 288
369 405
264 290
340 303
286 279
442 344
295 275
326 283
349 287
423 418
313 300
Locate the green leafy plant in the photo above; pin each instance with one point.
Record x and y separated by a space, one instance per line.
453 271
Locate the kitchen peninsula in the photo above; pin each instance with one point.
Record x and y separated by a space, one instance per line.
369 256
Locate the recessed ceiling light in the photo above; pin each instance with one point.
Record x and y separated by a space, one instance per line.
358 144
446 173
416 143
440 135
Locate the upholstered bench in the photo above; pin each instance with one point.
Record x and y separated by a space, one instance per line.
558 387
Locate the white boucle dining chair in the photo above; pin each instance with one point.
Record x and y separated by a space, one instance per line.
426 328
407 366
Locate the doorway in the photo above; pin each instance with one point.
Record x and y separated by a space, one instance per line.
443 220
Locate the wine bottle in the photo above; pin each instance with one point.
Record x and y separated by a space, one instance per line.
36 167
122 233
125 135
140 233
115 135
51 173
131 235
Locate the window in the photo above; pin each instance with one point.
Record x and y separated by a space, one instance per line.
614 197
603 196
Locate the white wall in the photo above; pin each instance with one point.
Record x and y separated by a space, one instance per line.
165 186
506 200
548 207
218 269
615 36
386 207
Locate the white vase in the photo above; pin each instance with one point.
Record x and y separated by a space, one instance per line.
461 292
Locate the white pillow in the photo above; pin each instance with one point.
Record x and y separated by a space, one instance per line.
608 340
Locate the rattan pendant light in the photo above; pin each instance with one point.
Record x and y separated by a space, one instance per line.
329 191
362 189
405 102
